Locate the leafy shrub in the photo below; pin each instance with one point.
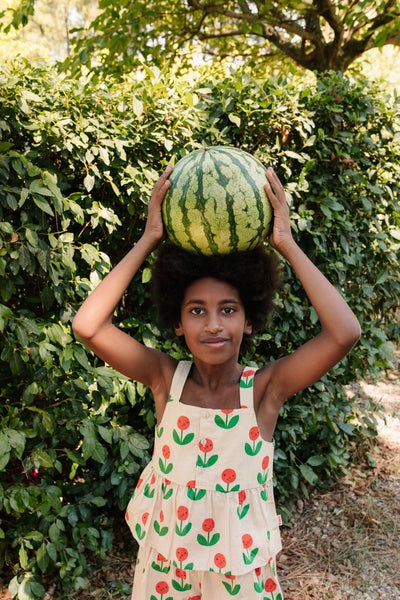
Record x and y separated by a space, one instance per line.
77 165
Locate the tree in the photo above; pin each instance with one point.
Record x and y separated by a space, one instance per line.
317 35
43 33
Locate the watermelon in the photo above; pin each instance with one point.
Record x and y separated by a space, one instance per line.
216 203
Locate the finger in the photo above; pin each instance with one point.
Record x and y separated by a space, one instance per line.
164 177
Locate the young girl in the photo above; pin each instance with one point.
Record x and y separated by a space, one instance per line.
203 511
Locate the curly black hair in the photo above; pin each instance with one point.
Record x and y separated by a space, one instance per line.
254 273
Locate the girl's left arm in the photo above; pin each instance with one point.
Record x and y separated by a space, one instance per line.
340 329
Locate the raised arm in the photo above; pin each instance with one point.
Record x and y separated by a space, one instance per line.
93 321
340 329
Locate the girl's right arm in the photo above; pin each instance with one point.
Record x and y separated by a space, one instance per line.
93 321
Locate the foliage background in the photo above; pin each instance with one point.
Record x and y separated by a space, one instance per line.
77 165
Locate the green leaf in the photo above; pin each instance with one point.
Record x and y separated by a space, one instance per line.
308 474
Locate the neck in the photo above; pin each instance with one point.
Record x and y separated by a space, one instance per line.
214 377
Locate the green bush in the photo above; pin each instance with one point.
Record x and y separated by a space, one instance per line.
77 165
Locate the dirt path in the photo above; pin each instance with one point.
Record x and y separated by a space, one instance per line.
345 544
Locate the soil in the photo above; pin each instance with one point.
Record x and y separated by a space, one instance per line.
344 543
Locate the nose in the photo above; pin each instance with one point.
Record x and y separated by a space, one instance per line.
213 324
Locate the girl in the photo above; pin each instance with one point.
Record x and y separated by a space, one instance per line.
203 511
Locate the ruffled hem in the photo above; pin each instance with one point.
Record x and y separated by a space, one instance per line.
230 533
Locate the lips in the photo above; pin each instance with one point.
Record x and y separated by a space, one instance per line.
217 341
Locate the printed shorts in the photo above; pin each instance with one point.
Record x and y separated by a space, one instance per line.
157 579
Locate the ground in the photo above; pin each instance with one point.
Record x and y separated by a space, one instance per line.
344 543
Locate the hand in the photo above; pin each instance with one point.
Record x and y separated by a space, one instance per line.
154 225
281 234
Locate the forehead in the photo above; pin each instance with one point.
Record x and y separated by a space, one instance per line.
209 288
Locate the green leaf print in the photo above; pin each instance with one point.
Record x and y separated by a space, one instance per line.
165 468
205 541
250 556
227 423
148 492
183 531
264 495
206 463
160 530
262 478
252 451
139 533
180 587
182 440
160 431
194 494
242 512
160 568
231 588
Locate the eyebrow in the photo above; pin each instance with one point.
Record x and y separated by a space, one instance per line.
202 302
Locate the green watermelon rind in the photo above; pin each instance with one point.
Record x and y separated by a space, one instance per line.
212 213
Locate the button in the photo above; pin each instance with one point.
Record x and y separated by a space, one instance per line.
203 442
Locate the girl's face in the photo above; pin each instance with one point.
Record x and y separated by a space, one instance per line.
213 320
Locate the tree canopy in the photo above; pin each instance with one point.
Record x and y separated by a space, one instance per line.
318 35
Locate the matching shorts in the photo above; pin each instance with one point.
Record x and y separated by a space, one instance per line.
157 579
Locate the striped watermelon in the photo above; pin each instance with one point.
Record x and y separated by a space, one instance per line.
216 203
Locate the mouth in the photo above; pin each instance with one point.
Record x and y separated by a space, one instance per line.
217 342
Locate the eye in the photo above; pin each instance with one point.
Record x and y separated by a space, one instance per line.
197 310
228 310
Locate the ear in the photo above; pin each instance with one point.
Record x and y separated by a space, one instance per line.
178 329
248 327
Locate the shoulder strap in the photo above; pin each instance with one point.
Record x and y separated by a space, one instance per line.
179 379
246 387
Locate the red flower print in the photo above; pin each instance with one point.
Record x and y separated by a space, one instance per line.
232 577
220 561
180 573
166 451
162 558
247 540
181 554
208 525
139 483
183 513
153 479
242 497
161 516
206 445
227 411
229 476
191 483
145 516
167 482
162 587
194 598
258 571
265 462
248 373
126 515
254 433
183 423
270 585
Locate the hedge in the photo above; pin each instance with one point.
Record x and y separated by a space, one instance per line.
77 165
